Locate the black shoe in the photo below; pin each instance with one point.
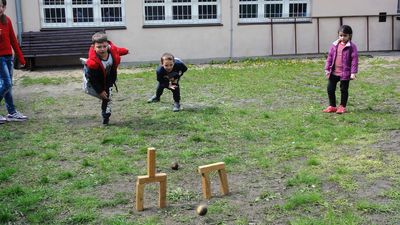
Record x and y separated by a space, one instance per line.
177 107
153 99
106 120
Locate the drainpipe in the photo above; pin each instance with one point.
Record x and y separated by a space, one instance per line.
231 33
19 20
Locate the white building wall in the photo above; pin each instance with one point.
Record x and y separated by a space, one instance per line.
242 40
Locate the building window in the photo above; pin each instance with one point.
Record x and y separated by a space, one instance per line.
175 12
398 7
259 11
82 13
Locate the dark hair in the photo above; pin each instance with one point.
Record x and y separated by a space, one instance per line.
167 56
3 18
346 29
99 37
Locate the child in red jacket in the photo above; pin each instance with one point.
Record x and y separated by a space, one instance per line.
101 70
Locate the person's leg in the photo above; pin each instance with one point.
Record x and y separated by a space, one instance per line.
159 92
106 106
331 89
7 71
344 91
176 94
6 83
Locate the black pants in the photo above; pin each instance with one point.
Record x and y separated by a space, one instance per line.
344 90
106 104
176 94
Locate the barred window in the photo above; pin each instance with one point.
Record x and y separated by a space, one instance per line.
165 12
256 11
297 10
398 7
82 13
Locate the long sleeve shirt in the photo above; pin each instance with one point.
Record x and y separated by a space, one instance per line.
8 41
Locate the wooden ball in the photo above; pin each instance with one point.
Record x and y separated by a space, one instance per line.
175 166
201 210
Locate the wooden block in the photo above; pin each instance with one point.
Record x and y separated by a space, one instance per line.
151 162
139 196
162 199
211 167
159 177
224 181
206 186
205 181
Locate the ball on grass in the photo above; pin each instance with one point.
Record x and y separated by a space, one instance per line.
175 166
201 210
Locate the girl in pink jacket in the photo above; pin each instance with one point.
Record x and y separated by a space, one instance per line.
341 65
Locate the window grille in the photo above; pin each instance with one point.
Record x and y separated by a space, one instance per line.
258 11
166 12
82 13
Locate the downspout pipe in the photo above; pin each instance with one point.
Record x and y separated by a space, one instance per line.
20 28
231 32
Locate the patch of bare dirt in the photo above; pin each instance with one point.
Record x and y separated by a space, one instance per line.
392 144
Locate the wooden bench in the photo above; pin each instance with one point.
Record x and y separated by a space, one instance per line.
53 43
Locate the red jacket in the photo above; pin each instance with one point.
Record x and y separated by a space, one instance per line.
8 41
98 77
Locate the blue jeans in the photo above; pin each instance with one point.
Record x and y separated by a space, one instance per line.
6 72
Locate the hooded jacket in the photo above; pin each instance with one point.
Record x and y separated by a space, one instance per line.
349 59
98 76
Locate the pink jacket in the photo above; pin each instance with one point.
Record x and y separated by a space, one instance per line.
349 59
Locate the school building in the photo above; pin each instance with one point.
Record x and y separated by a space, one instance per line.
203 30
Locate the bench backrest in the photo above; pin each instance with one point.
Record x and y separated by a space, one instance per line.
57 42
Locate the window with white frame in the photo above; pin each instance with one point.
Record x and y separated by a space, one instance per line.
82 13
174 12
256 11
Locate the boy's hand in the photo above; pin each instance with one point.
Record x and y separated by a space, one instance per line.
172 86
103 95
352 76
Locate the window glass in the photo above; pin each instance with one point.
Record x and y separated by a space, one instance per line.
82 13
256 11
164 12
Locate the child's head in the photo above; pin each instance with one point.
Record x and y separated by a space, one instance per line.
168 61
100 43
3 4
345 33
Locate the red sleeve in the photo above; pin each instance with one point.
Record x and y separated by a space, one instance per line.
15 45
123 51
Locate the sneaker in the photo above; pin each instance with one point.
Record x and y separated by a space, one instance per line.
83 60
177 107
17 116
3 119
341 109
153 99
330 109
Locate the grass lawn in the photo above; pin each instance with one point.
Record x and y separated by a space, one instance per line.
287 162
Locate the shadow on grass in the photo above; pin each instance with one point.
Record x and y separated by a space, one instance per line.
168 121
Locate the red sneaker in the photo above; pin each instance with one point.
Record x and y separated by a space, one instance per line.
341 109
330 109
